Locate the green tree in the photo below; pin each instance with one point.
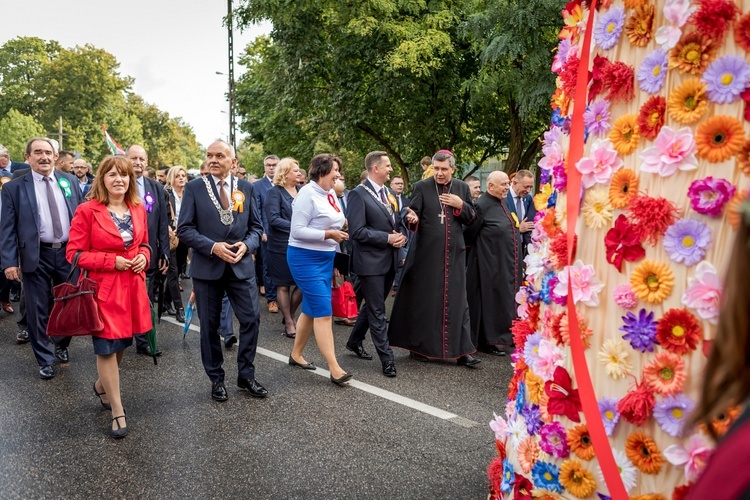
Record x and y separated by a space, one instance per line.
15 130
21 60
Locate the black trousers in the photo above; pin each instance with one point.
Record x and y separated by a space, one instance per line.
372 314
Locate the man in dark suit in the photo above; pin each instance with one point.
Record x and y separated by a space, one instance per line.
261 187
7 166
219 221
521 203
82 170
402 201
377 235
37 210
157 218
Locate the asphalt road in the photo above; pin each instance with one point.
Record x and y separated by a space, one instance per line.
422 435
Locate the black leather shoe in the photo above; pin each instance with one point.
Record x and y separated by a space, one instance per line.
253 387
219 392
469 361
492 350
343 379
47 372
358 350
179 315
61 353
99 395
121 431
146 351
389 369
228 343
170 309
419 357
22 337
308 366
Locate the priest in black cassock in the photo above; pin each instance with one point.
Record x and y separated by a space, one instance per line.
493 268
430 315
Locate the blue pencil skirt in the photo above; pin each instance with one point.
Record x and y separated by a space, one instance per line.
312 271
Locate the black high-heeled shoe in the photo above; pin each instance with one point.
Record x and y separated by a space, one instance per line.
343 379
120 432
99 395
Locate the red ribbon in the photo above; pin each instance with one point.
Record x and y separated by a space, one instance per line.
332 201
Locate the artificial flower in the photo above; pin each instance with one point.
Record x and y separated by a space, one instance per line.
640 330
723 422
650 217
734 207
713 17
692 54
509 477
624 296
528 454
578 480
567 81
521 329
549 358
694 456
681 492
651 117
583 283
653 71
614 357
563 399
688 103
573 19
534 386
652 281
599 167
624 134
624 186
678 331
665 374
703 292
634 4
516 432
583 330
558 251
553 155
565 49
743 158
541 198
628 473
608 27
687 240
742 32
495 475
596 85
640 25
580 443
531 349
676 14
559 176
726 78
643 452
553 440
596 118
708 196
636 406
546 476
533 418
609 413
499 426
719 138
673 150
549 223
671 412
617 78
597 210
622 243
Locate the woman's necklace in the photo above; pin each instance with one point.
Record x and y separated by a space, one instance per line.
442 206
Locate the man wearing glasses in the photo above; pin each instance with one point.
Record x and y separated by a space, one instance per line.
82 171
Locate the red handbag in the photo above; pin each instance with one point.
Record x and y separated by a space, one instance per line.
75 311
344 301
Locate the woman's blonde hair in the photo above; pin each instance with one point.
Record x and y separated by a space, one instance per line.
173 173
124 167
282 170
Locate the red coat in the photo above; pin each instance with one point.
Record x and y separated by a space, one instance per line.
122 296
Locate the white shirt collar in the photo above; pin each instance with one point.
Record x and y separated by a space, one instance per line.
39 177
228 180
378 187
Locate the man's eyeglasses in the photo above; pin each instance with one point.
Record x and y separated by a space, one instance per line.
80 167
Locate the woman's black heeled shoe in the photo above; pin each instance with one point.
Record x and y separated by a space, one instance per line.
308 366
342 379
120 432
99 395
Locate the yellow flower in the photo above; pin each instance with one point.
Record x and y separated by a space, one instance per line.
640 24
652 281
597 210
542 197
534 387
692 54
614 357
578 480
624 134
688 102
624 186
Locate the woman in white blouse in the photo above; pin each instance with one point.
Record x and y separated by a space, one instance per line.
314 236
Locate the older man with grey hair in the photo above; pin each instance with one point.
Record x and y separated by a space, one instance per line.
8 166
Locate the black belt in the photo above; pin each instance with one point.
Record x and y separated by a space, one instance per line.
53 245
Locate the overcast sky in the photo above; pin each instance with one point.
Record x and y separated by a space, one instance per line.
173 49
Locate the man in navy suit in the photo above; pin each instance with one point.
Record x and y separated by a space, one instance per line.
377 235
82 170
521 203
261 187
219 221
7 166
37 210
402 201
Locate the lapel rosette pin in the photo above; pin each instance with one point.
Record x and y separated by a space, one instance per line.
238 199
149 199
392 200
65 186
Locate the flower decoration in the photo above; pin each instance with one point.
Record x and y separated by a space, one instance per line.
693 457
549 358
678 331
549 223
528 454
578 480
624 186
734 207
726 78
650 217
509 477
681 492
636 406
676 14
558 251
563 399
554 440
495 474
499 426
522 488
573 18
583 282
634 4
623 243
624 134
599 167
723 421
671 413
624 296
617 78
719 138
688 103
640 25
534 386
653 71
673 150
608 27
714 17
703 292
542 197
584 331
516 432
640 330
742 32
652 281
628 473
565 49
643 452
687 240
596 85
546 476
743 158
651 117
609 413
533 418
708 196
559 177
596 118
597 210
614 357
692 54
531 349
665 374
580 442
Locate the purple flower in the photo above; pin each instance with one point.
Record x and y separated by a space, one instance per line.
544 176
608 27
554 440
609 413
533 417
726 78
670 413
640 330
559 177
531 349
653 71
687 240
597 117
708 196
565 49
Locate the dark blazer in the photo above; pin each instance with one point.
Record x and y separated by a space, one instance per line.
19 227
528 206
369 227
261 188
278 212
199 227
404 200
17 165
158 222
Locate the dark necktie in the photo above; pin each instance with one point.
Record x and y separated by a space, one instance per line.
385 202
223 195
57 230
519 208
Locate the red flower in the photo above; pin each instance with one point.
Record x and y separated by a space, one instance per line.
713 17
650 217
601 63
651 117
746 97
569 75
681 492
500 449
495 476
522 488
623 243
618 80
678 331
533 312
637 405
559 250
520 330
742 32
563 399
554 328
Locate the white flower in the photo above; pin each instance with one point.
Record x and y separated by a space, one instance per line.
499 425
517 432
628 472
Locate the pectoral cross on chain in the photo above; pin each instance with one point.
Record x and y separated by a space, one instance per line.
442 217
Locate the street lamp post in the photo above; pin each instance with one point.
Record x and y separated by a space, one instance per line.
230 42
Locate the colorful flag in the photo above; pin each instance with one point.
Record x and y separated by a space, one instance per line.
114 148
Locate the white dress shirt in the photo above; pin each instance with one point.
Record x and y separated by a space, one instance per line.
46 233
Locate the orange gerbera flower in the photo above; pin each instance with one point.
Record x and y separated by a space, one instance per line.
734 208
719 138
549 223
534 387
634 4
640 25
528 453
665 374
624 134
743 158
624 186
575 478
580 443
643 452
721 424
688 102
692 54
651 116
583 329
652 281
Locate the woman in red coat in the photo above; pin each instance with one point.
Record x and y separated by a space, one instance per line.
110 233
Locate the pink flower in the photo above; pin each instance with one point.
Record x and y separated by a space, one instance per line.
672 151
599 167
694 457
499 425
708 196
585 285
624 296
676 14
549 357
704 292
553 156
